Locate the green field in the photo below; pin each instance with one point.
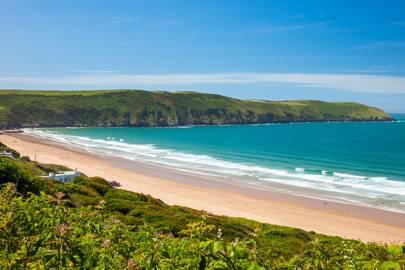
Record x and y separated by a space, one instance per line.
108 108
88 224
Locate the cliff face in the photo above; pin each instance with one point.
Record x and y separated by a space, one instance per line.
142 108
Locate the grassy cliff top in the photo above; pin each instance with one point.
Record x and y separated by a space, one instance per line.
24 108
60 92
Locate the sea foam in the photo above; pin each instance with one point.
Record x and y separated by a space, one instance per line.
369 190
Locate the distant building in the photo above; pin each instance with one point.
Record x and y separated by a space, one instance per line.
7 154
66 176
11 131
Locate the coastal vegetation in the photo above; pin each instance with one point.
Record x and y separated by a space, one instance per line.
88 224
136 108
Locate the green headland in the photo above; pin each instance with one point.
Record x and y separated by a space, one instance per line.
137 108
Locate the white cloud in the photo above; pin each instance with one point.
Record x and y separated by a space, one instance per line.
287 28
95 71
345 82
371 70
382 44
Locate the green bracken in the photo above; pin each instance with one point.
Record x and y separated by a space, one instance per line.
88 224
128 108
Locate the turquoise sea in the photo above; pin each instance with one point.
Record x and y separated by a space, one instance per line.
354 162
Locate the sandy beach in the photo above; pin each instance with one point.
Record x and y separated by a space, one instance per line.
176 188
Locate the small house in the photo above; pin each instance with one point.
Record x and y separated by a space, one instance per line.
64 176
7 154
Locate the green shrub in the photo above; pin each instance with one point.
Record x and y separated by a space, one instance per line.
47 168
125 195
396 249
83 200
25 158
120 205
10 172
389 265
98 184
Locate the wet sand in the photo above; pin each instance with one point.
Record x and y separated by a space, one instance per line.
231 199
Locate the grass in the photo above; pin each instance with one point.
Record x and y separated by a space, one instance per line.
142 108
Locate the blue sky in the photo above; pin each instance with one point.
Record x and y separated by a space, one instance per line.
274 49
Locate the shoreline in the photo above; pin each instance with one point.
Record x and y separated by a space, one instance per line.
391 119
190 190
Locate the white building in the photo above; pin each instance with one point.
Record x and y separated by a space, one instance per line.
6 154
66 176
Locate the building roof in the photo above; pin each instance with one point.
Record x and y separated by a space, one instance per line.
64 173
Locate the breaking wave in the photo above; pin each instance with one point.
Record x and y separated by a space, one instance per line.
372 191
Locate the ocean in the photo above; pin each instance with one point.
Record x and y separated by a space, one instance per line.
360 163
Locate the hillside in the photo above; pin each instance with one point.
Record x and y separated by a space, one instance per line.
20 108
